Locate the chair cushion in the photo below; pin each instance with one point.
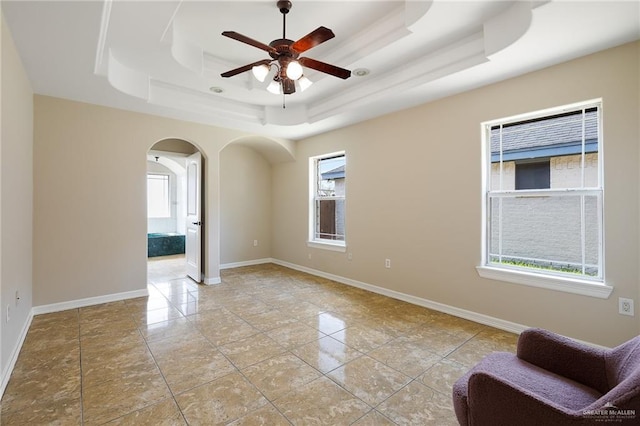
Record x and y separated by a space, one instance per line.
564 394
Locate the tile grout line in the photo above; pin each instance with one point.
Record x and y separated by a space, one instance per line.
146 342
269 401
217 348
80 362
175 401
400 324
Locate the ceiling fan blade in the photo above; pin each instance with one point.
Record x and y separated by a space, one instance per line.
314 38
288 86
325 68
245 68
251 42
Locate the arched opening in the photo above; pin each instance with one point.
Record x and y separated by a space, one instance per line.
170 194
245 194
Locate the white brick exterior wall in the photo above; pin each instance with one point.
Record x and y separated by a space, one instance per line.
547 227
508 176
566 170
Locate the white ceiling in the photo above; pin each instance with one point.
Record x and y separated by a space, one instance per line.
162 57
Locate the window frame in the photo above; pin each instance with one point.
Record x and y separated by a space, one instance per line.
312 241
527 276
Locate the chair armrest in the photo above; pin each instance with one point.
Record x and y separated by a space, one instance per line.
565 357
496 401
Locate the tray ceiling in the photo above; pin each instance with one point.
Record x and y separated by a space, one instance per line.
165 57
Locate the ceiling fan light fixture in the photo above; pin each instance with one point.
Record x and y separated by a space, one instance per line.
260 72
274 87
294 70
285 58
304 83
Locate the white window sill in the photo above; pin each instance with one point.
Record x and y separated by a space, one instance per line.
567 285
333 246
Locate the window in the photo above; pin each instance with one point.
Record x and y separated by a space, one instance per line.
533 175
158 200
327 204
543 199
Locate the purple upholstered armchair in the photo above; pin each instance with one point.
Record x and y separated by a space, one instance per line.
552 381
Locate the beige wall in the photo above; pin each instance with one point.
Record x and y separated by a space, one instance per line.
90 196
16 198
405 202
245 201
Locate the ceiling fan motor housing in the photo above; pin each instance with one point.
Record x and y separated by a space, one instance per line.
282 47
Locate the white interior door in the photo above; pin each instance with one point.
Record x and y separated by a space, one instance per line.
193 228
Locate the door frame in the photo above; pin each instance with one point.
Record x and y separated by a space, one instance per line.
151 153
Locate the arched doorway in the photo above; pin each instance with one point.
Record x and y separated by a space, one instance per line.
174 190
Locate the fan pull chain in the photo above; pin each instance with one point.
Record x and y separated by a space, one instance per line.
283 101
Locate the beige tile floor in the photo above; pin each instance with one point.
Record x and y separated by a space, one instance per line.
268 346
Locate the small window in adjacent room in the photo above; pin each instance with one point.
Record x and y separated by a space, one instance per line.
543 199
533 175
327 202
158 200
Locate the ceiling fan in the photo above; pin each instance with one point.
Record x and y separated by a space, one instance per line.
285 57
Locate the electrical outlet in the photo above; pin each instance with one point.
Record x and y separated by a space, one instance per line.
309 256
255 243
387 263
349 256
625 306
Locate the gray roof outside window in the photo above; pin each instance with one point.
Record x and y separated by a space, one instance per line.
558 135
337 173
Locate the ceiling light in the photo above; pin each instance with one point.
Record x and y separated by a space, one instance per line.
274 87
260 72
294 70
361 72
304 83
216 89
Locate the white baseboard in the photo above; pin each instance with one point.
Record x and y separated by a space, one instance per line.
501 324
80 303
212 280
452 310
246 263
436 306
6 374
218 280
